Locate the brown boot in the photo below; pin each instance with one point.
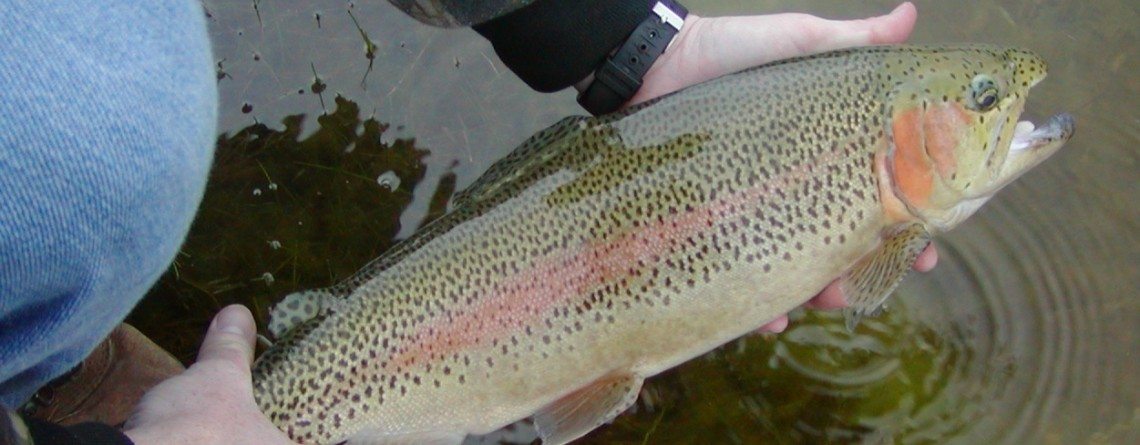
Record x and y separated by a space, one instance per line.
109 382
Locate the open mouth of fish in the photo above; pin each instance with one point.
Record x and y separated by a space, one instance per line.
1029 146
1027 136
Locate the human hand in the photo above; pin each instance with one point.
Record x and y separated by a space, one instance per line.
707 48
212 402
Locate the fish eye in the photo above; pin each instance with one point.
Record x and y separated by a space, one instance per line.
984 93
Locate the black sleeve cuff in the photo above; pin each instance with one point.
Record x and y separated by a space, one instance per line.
89 433
552 44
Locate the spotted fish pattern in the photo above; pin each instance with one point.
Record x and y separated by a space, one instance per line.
606 250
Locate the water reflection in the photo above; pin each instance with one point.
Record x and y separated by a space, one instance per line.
1026 333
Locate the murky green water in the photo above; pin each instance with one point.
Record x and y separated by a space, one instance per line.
337 139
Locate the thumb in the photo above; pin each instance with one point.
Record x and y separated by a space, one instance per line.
710 47
230 338
826 35
794 34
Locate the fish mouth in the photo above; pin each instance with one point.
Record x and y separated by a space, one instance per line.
1030 145
1057 130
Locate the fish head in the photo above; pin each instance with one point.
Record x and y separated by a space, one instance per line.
955 132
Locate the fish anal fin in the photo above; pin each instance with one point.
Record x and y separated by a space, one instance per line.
587 408
868 284
367 437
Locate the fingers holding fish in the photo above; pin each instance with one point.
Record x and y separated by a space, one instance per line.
826 35
927 259
775 326
832 297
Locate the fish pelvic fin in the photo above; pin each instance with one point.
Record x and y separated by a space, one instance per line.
868 284
587 408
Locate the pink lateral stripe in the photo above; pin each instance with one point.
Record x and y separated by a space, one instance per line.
566 279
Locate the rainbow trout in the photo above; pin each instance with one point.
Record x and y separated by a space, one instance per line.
605 250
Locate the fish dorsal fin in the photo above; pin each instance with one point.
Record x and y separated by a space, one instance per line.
284 345
297 308
537 155
868 284
589 407
617 163
533 153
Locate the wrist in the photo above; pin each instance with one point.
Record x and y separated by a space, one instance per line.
654 69
622 72
676 67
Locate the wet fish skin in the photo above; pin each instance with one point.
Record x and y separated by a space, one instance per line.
606 250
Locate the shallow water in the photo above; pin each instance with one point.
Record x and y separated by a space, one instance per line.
1027 332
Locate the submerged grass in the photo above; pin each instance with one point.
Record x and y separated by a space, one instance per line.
283 213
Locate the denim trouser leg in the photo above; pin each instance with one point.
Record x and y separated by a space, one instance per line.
107 122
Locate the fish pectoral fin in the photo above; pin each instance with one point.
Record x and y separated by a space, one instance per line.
297 308
587 408
367 437
868 284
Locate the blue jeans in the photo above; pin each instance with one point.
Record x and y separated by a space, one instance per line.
107 124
